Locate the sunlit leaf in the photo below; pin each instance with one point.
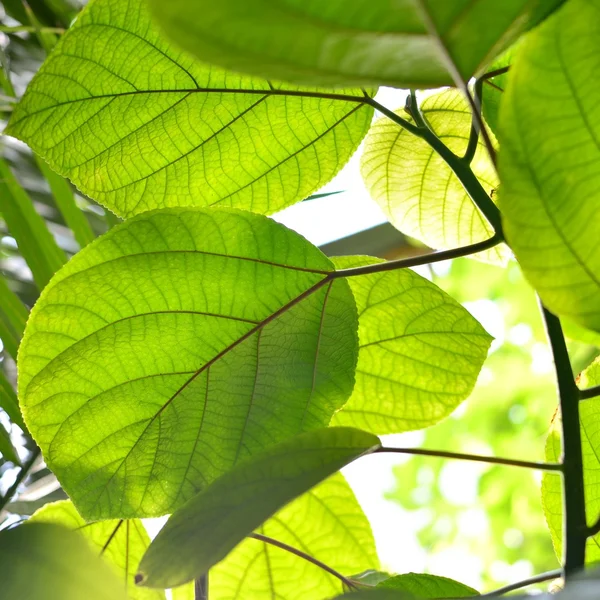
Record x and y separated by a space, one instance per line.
420 352
210 525
422 585
401 44
121 543
50 562
326 523
173 346
417 190
137 124
552 492
550 162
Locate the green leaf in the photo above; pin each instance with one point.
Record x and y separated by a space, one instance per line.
376 594
164 130
549 130
493 88
13 316
415 187
176 344
121 543
65 200
326 523
210 525
7 450
552 501
9 402
422 585
402 44
36 244
420 352
43 561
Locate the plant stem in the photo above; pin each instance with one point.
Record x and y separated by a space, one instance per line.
549 575
303 555
594 529
24 472
28 29
589 393
575 524
201 588
474 133
414 261
542 466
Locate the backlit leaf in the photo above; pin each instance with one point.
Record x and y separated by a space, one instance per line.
422 585
210 525
137 124
550 161
121 543
415 187
420 352
41 560
371 42
176 344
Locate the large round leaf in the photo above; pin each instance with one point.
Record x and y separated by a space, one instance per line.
137 124
402 44
176 344
420 352
550 161
417 190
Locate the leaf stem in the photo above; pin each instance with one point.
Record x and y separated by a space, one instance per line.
589 392
28 29
201 588
594 529
23 473
549 575
474 133
542 466
390 114
414 261
575 524
303 555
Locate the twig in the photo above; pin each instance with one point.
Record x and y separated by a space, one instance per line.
589 392
23 473
549 575
542 466
201 588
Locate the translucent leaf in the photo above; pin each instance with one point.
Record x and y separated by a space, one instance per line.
121 543
420 352
326 523
210 525
422 585
415 187
176 344
550 162
41 560
552 501
401 44
137 124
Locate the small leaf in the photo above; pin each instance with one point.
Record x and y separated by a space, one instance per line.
417 190
7 450
422 585
420 352
136 124
120 543
209 526
175 345
327 523
401 44
549 131
552 492
46 561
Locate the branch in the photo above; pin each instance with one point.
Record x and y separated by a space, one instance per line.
474 133
390 114
542 466
20 478
594 529
575 524
521 584
303 555
414 261
589 393
201 588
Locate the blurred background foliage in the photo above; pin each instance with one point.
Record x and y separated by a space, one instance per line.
482 520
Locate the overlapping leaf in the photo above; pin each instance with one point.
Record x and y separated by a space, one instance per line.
550 161
177 344
423 585
420 352
326 523
552 499
42 560
137 124
417 189
121 543
210 525
402 44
